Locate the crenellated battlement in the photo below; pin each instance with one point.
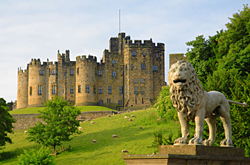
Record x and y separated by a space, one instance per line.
84 59
35 62
22 71
64 57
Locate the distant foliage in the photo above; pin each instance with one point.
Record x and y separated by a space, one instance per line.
60 119
223 64
6 121
40 157
164 105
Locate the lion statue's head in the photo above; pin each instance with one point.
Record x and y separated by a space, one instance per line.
185 88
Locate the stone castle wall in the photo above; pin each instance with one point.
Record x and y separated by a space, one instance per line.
24 121
173 58
86 82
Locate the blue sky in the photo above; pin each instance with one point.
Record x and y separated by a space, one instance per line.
38 29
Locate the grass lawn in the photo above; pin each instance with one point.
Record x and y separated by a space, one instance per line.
107 150
82 108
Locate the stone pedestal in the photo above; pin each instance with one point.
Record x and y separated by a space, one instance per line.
191 155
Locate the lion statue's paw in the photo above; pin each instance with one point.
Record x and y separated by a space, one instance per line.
226 143
208 142
181 141
195 141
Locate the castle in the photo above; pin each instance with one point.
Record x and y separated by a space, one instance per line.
131 73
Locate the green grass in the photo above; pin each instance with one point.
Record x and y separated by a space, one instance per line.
108 150
82 108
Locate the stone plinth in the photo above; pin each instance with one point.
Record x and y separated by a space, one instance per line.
191 155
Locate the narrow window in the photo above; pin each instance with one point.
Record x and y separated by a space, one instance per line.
141 89
77 71
119 102
136 90
100 72
53 72
144 55
113 73
120 90
71 71
101 102
142 66
133 53
39 90
41 72
94 89
79 89
135 100
87 89
109 100
155 67
53 89
100 90
135 80
141 80
71 90
30 91
156 56
109 90
142 101
131 66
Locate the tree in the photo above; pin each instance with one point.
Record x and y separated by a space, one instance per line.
6 121
164 105
60 119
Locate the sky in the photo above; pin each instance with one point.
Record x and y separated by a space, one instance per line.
39 28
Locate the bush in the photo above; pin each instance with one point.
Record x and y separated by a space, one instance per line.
40 157
164 105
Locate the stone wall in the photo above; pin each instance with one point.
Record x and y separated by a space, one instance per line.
24 121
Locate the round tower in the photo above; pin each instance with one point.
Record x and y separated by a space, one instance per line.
22 89
86 83
36 84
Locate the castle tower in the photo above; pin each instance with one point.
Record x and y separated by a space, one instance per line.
86 84
22 89
36 83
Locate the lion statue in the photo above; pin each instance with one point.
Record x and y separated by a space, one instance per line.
193 103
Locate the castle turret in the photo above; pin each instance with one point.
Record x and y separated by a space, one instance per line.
22 89
86 84
36 83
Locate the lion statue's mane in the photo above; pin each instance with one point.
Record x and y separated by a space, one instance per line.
185 97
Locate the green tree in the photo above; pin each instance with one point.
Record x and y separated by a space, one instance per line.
40 157
164 105
6 121
60 119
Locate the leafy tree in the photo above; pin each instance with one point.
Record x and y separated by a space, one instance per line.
60 122
6 121
234 43
164 105
40 157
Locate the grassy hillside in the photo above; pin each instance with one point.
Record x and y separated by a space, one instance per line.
82 108
108 150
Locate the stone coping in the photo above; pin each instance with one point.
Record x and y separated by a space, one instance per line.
187 157
201 150
35 114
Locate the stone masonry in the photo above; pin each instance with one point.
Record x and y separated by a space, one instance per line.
131 73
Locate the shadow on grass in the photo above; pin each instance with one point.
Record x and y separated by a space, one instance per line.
9 155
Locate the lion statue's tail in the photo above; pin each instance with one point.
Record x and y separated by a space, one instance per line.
234 102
